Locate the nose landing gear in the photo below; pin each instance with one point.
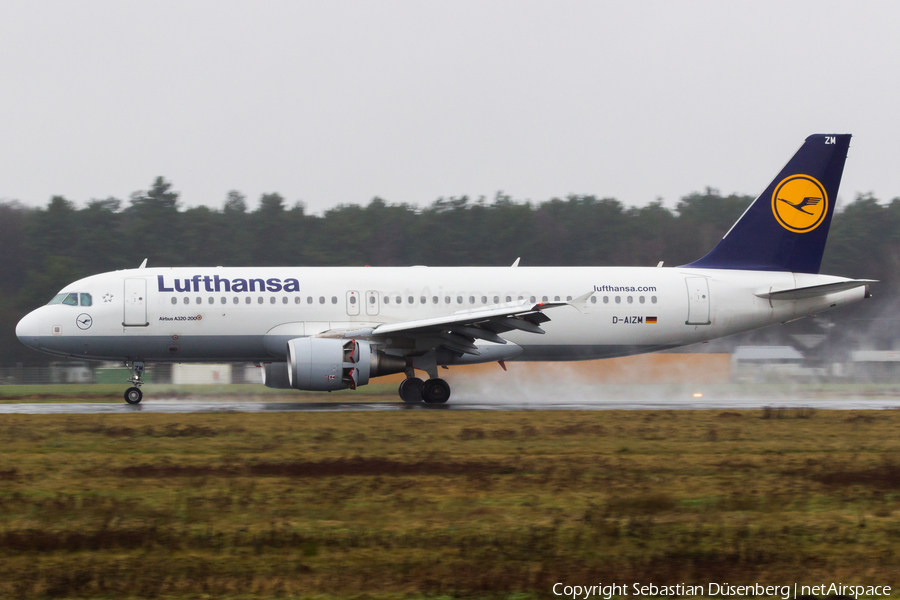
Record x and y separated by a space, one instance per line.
133 395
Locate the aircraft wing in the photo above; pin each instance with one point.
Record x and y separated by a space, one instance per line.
458 331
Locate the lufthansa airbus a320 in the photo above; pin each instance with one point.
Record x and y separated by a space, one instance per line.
338 328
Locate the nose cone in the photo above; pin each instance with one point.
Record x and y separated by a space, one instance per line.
28 330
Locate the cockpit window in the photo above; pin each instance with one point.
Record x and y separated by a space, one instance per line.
71 299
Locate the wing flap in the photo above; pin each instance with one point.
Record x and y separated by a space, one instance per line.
478 333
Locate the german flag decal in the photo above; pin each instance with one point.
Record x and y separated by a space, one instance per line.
651 320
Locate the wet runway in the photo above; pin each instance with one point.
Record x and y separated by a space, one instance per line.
218 406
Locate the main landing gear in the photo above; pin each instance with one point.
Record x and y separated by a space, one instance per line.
433 391
133 395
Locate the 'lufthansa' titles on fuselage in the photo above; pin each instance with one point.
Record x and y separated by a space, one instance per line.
214 283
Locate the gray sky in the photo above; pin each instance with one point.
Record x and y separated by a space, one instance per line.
337 102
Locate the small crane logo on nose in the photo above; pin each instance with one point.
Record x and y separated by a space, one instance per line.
84 321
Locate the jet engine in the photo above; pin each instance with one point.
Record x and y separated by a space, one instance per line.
325 364
275 375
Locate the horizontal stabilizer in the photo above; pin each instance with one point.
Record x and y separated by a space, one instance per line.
815 290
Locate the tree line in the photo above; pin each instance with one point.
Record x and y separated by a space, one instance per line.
45 248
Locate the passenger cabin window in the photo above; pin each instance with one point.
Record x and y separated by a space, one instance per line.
174 300
321 299
653 299
387 299
593 299
86 300
236 300
334 299
446 299
187 300
247 300
543 298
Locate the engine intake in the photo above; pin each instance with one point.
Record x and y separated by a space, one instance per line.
326 364
275 375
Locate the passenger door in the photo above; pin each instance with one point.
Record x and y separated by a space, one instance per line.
135 303
698 301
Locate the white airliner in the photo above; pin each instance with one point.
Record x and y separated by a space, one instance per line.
337 328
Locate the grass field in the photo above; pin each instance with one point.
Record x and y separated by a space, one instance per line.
435 503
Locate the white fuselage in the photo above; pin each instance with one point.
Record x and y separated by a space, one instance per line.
211 314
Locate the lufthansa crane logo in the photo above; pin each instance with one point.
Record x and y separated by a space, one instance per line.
800 203
84 321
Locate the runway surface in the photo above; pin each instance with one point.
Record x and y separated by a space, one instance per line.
211 406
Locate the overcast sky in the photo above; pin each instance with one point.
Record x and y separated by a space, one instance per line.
337 102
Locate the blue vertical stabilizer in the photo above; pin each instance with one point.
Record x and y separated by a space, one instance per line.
786 226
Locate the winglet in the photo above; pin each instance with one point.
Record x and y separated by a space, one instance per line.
143 264
581 302
516 264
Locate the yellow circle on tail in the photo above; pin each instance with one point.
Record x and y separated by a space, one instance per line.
800 203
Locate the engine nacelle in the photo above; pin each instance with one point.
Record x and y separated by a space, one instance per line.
325 364
275 375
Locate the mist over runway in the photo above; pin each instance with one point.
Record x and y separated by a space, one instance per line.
560 404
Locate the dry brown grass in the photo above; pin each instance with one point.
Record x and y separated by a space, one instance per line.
425 503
